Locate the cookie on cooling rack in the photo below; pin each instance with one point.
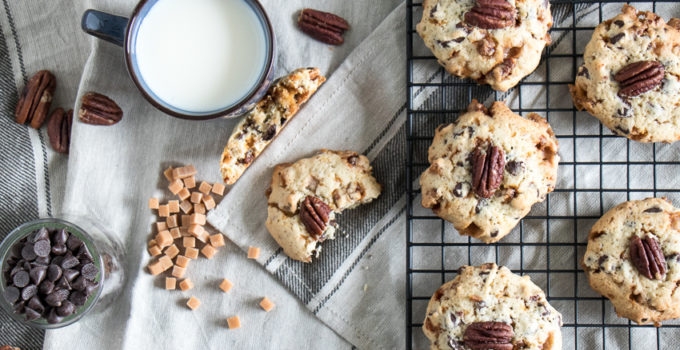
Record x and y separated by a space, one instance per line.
633 258
488 168
305 196
489 307
495 42
630 76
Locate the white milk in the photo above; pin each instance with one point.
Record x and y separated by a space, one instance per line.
200 55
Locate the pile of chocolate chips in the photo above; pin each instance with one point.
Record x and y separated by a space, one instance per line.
49 274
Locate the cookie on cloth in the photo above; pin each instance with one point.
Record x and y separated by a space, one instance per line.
304 197
495 42
630 76
633 258
489 307
488 168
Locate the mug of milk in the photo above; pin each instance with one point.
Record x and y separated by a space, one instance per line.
194 59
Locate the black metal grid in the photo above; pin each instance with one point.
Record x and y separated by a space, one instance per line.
557 236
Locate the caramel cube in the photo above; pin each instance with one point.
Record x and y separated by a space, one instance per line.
184 172
189 242
234 322
178 271
163 211
266 304
196 230
154 250
153 203
166 262
199 208
176 186
168 174
186 207
253 252
182 261
173 205
193 303
203 236
186 284
209 251
226 285
186 220
183 194
218 189
172 251
171 221
176 233
209 202
170 283
217 240
196 197
190 182
164 239
155 268
198 219
191 253
205 188
152 243
161 226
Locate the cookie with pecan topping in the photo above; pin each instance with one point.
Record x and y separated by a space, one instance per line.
495 42
488 168
633 258
489 307
304 198
629 79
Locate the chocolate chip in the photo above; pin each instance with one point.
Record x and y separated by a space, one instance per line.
46 287
40 235
73 242
42 248
53 318
78 298
60 237
621 130
67 308
80 283
16 250
653 210
615 39
70 261
53 272
89 271
619 23
623 112
84 253
57 260
37 274
28 253
71 274
59 249
494 233
91 288
458 190
480 204
21 279
17 268
29 292
514 167
36 305
270 133
31 314
12 294
19 307
56 297
583 72
63 283
42 260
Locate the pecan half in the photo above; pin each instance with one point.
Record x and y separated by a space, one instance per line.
315 215
59 129
491 14
97 109
639 77
647 257
487 170
323 26
489 335
35 99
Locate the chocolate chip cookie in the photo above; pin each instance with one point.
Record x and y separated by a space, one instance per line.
495 42
488 168
304 197
633 258
489 307
630 76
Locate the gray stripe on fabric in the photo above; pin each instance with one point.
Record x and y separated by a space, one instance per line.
18 191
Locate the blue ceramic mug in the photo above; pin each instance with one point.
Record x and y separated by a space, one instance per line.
124 32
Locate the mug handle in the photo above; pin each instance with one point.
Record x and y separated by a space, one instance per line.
105 26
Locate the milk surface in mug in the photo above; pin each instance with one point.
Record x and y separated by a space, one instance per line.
200 55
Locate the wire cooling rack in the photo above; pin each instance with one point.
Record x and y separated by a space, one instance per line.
597 171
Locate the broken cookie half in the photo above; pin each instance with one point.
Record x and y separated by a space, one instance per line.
304 198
